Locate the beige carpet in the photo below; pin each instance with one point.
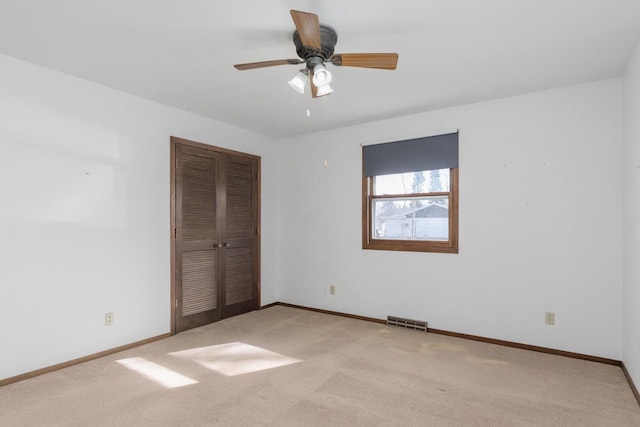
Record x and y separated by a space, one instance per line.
287 367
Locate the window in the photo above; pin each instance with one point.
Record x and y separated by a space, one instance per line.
410 195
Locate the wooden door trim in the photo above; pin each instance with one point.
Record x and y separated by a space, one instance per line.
174 142
182 141
172 234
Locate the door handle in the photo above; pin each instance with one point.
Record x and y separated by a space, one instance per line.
225 244
216 245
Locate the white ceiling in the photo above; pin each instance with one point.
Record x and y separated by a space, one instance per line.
452 52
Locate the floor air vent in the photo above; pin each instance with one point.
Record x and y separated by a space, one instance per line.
399 322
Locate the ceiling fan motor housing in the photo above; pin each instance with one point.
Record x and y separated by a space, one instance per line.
328 40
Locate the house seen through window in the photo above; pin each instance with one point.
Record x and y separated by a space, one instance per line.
414 210
412 206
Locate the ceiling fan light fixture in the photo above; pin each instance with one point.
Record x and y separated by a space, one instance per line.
324 90
321 76
299 81
315 45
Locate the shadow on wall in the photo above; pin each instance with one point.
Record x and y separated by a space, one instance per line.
56 168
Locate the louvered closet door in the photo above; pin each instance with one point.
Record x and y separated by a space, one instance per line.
216 248
240 230
197 236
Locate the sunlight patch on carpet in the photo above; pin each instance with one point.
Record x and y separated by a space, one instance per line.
158 373
235 358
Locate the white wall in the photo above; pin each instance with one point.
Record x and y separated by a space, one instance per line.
631 222
84 178
540 229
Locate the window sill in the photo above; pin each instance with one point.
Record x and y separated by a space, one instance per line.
411 246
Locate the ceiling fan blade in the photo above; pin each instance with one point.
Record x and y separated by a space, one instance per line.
252 65
383 61
308 27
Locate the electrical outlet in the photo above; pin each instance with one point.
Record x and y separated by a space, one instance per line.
550 318
332 289
108 319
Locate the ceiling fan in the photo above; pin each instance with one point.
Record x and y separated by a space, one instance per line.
315 44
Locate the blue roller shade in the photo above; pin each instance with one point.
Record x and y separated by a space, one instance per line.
411 155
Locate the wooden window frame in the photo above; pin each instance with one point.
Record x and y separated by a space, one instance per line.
450 246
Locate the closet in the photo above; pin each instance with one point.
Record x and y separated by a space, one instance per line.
215 203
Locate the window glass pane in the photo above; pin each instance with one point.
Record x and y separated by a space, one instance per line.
432 181
411 218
